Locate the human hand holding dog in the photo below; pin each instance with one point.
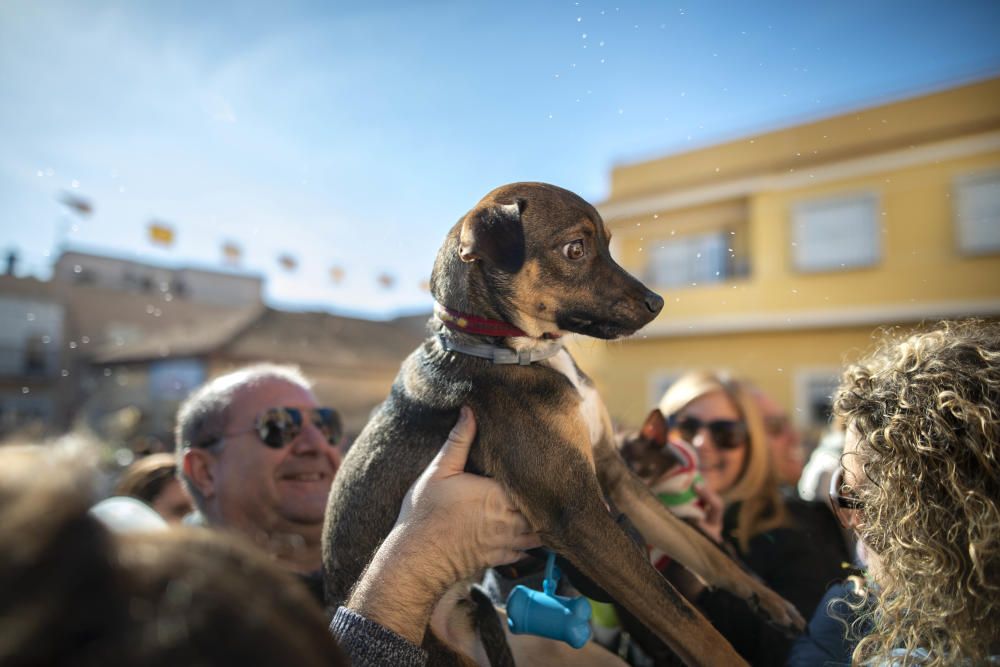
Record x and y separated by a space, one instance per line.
452 524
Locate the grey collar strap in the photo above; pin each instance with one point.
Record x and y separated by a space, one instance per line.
499 355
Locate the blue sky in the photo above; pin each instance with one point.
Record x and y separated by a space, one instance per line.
354 134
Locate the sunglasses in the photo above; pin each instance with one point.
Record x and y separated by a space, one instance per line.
845 506
726 433
277 427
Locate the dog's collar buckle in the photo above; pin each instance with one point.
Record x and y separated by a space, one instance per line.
499 355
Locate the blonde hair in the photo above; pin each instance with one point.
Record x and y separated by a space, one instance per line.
761 507
926 411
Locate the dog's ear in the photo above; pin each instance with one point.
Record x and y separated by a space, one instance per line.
655 428
494 234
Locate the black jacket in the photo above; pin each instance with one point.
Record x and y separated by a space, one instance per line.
798 562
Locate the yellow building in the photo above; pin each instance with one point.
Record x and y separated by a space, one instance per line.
779 254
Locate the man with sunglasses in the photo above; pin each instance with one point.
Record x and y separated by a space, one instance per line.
258 454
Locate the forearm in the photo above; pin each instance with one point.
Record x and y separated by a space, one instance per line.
401 586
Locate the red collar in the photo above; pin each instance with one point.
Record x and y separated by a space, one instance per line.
473 324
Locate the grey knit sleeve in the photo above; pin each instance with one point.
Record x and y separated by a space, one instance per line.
368 644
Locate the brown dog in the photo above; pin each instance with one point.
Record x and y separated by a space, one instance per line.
527 264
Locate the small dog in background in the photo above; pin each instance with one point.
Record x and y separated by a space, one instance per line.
669 467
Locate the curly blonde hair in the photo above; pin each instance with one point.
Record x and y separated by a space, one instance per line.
926 410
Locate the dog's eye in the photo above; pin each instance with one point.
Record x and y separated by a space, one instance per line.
574 250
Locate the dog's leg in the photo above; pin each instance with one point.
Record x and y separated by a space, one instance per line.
685 544
554 485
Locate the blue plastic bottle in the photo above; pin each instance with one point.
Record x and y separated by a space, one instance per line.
546 614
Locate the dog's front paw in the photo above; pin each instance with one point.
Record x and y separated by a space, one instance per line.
777 611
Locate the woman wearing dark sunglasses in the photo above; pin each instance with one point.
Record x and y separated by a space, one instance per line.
920 486
796 549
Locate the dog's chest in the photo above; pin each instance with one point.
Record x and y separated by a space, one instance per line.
591 407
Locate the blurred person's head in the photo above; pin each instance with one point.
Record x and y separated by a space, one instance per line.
74 593
721 420
153 480
921 487
258 454
782 437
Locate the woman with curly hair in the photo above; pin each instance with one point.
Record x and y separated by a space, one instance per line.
921 487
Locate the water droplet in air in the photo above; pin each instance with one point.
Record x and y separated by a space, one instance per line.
124 457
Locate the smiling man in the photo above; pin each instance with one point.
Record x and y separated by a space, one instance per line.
258 454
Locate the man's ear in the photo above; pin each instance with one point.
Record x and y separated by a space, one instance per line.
198 467
494 234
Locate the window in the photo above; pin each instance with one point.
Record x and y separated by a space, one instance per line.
977 212
694 259
34 356
814 397
837 233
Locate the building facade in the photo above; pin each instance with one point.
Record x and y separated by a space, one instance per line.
779 255
33 357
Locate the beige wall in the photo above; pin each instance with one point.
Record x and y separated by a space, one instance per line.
920 260
779 326
776 361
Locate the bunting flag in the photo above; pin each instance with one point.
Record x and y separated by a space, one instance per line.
76 203
288 263
386 281
231 253
337 275
161 233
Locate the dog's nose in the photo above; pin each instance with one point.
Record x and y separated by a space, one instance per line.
654 302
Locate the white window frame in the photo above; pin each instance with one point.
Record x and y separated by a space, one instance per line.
966 229
872 253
